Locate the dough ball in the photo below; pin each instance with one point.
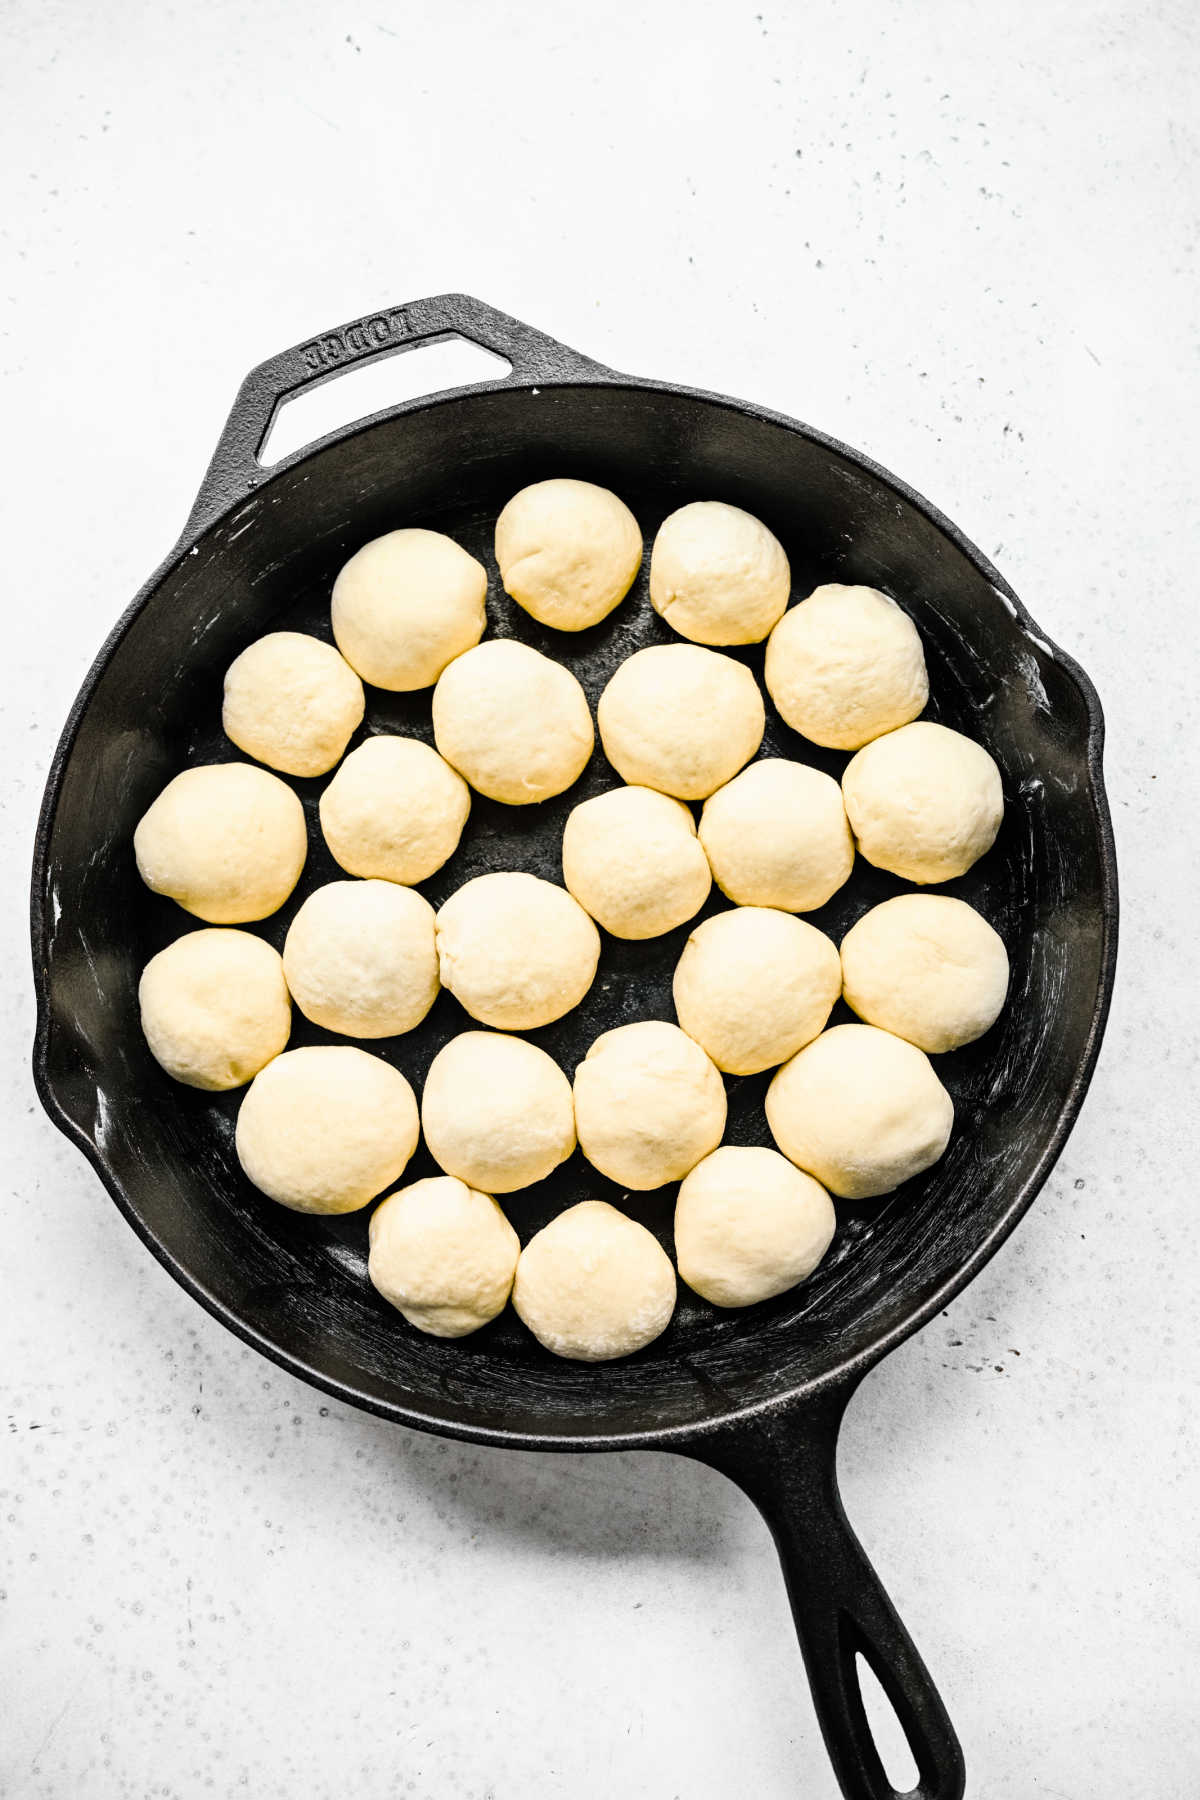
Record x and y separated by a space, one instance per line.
680 719
497 1111
360 958
325 1129
861 1110
407 604
292 702
777 836
568 552
924 801
927 967
594 1284
845 666
516 951
648 1104
394 810
717 575
444 1255
227 841
515 724
632 859
215 1007
749 1225
754 985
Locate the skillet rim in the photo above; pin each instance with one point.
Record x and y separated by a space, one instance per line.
845 1375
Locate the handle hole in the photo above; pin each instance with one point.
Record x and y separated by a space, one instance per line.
891 1744
361 389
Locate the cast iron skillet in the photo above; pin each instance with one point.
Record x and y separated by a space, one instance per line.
758 1394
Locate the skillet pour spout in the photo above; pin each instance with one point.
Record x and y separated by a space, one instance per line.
758 1394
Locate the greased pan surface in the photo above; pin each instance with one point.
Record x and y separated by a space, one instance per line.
259 554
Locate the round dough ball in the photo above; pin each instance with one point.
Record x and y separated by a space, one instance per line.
924 801
648 1104
568 552
680 719
227 841
777 836
292 702
861 1110
631 857
749 1225
444 1255
717 575
407 604
516 951
927 967
497 1111
215 1007
594 1284
755 985
360 958
845 666
326 1128
515 724
394 810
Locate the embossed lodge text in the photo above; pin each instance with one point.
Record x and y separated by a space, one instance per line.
356 340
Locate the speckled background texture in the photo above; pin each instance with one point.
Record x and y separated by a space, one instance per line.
970 252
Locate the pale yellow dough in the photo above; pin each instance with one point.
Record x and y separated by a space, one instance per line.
680 719
407 604
497 1111
845 666
776 835
516 951
326 1128
226 840
214 1007
568 552
594 1284
927 967
754 985
632 859
444 1255
515 724
861 1110
649 1104
749 1225
925 802
717 575
292 702
360 958
394 810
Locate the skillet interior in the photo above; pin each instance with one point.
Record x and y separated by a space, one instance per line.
296 1287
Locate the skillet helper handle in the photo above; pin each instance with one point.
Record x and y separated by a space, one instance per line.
235 469
787 1466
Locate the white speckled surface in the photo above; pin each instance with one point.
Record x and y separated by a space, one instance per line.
968 247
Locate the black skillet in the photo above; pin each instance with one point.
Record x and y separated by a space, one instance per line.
758 1394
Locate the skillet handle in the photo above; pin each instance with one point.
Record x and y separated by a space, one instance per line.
787 1466
235 469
